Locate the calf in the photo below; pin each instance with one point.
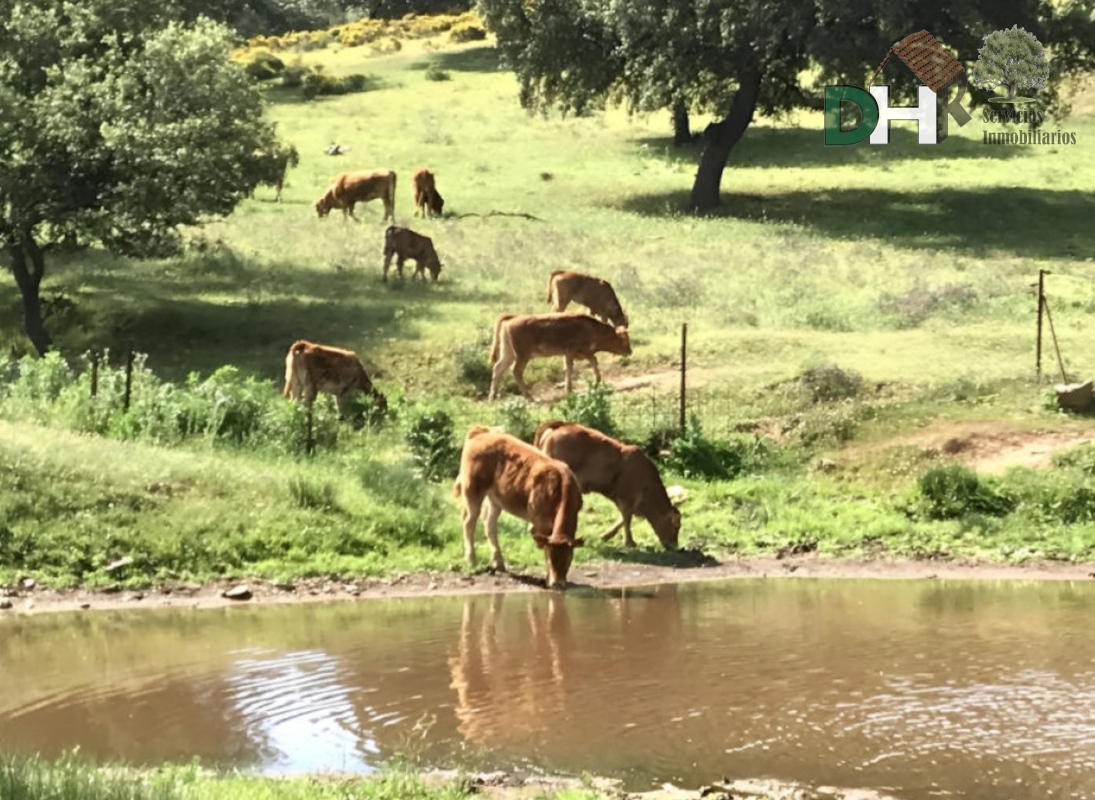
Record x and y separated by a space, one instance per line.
427 200
405 243
499 472
621 472
565 287
350 188
313 368
518 338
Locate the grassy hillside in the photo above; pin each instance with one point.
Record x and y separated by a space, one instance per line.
910 266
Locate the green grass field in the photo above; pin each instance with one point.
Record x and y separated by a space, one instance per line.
910 265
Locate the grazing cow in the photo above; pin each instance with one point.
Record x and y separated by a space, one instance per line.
565 287
346 190
405 243
271 164
621 472
518 338
427 200
499 472
314 368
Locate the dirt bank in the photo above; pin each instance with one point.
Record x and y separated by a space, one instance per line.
593 576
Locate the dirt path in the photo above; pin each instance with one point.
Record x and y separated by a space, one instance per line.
592 577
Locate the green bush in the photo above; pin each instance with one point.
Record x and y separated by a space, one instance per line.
951 491
472 366
591 408
435 73
467 32
517 419
432 440
694 455
264 66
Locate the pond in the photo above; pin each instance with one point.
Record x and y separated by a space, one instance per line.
919 688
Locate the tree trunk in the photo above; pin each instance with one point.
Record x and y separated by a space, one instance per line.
682 131
720 138
28 266
1011 91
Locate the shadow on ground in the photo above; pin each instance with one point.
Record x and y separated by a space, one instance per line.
678 559
763 147
1038 223
472 59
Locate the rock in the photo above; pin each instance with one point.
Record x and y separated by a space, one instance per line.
241 592
136 596
5 605
29 583
1075 396
432 586
285 586
85 606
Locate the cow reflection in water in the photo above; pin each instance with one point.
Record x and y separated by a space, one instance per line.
516 675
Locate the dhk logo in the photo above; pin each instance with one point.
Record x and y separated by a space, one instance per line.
930 62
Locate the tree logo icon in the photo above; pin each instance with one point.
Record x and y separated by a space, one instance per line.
1012 58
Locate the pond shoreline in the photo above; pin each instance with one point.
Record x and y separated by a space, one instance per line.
589 577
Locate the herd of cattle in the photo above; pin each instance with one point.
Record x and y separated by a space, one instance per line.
542 483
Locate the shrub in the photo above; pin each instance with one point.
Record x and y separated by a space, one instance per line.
292 77
829 382
694 455
435 73
954 490
472 366
313 495
264 66
434 449
591 408
467 32
517 420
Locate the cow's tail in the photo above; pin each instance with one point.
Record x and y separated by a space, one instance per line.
291 366
496 343
541 435
551 282
558 530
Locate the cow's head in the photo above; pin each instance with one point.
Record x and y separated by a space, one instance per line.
667 527
623 342
557 558
323 206
434 266
437 202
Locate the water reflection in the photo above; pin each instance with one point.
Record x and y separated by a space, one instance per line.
924 688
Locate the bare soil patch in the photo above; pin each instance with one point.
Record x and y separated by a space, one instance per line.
599 576
987 446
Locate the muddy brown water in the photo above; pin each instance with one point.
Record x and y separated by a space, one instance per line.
922 688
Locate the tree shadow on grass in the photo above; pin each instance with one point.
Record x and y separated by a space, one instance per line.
1038 223
804 147
473 59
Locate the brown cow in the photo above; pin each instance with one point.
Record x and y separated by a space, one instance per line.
518 338
314 368
565 287
346 190
405 243
499 472
621 472
427 200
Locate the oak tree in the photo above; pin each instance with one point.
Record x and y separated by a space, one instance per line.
118 123
1011 58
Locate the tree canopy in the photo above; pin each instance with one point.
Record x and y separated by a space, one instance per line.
733 57
1012 58
118 123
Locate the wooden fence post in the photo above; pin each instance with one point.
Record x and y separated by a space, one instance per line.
128 377
1041 306
310 444
94 373
1053 333
684 370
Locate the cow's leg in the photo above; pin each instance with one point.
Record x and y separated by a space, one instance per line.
494 510
613 530
470 518
387 262
568 362
399 265
592 359
500 367
519 365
